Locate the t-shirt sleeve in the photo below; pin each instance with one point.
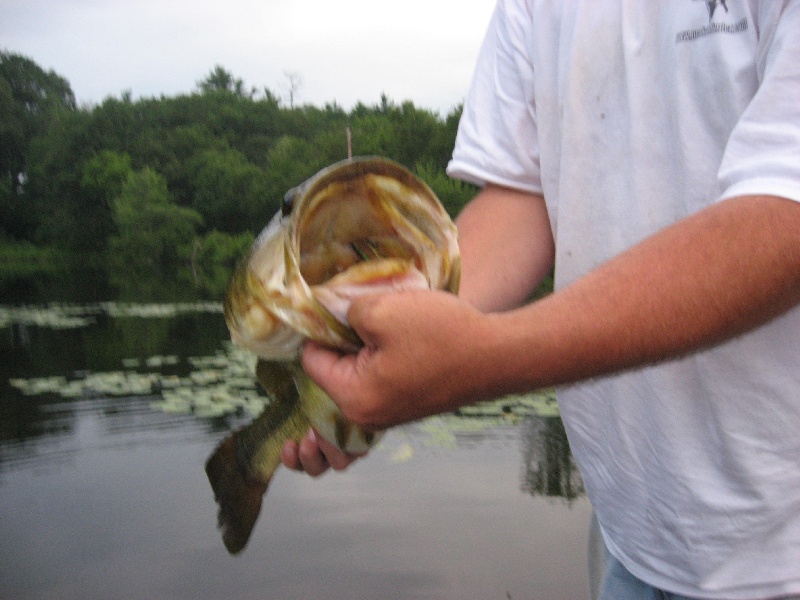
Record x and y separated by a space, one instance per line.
763 152
497 135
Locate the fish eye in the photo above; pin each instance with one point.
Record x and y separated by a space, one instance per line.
288 202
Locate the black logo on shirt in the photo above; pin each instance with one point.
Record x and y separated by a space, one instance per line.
712 7
689 35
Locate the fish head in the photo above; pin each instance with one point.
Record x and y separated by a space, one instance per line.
257 297
359 226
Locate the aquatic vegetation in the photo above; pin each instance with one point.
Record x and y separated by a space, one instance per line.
52 316
216 385
75 316
221 383
469 422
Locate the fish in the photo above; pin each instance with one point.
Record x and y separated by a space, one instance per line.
360 226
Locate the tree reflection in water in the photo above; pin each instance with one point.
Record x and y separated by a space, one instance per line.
548 466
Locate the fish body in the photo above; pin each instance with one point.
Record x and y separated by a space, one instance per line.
360 226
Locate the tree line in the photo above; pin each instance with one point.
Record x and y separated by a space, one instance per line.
154 183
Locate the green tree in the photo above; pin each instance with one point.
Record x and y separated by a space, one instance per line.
104 175
214 257
403 133
452 193
440 146
30 99
291 161
64 217
69 176
171 151
13 135
153 234
414 129
221 80
229 191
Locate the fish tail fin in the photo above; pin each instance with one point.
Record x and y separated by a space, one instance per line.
237 495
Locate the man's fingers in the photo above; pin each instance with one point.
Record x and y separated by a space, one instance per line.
337 459
290 455
305 455
311 457
314 455
318 360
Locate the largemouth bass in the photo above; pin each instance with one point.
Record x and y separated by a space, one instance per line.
360 226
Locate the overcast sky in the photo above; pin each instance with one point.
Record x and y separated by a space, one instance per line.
342 50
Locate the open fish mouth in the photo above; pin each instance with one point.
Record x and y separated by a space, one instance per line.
360 226
355 224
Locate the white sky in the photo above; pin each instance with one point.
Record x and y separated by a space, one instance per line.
343 50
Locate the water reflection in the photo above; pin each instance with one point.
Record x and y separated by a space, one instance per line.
154 380
548 467
58 357
108 412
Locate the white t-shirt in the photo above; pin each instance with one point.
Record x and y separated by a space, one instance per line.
628 116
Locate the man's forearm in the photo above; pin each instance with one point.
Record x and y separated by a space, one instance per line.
706 279
507 247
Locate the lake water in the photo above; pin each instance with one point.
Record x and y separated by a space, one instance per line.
108 412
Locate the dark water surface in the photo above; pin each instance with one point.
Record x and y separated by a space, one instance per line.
109 411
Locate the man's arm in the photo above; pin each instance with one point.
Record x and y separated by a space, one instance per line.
506 247
710 277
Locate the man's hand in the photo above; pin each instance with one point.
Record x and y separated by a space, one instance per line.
422 355
506 246
314 455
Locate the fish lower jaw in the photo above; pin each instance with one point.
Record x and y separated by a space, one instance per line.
273 348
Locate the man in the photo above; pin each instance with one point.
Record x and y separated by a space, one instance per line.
651 151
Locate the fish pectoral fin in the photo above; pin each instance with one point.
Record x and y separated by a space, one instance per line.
276 379
238 496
